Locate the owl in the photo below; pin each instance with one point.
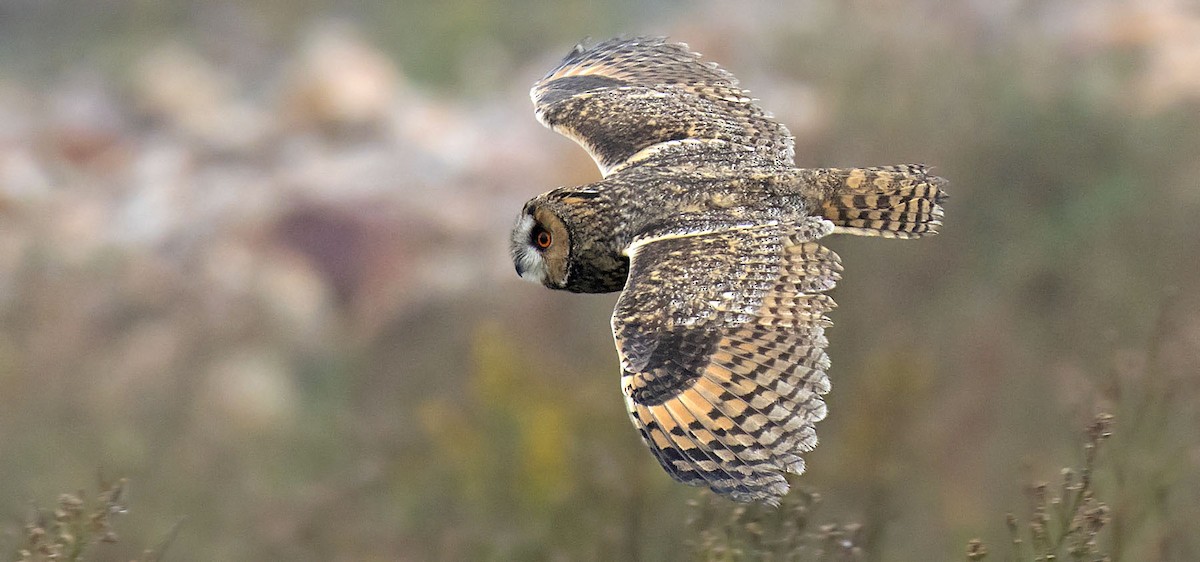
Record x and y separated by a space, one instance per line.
711 234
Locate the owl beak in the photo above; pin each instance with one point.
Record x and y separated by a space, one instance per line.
520 270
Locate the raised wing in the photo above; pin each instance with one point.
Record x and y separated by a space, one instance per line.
721 339
625 95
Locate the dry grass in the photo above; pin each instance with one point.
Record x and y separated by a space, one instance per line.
79 529
1065 522
730 532
75 527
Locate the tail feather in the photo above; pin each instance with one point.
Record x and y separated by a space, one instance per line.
889 201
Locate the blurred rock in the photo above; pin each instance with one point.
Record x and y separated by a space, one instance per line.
177 85
374 262
85 126
1173 75
22 177
444 131
77 227
1166 31
248 391
298 299
340 82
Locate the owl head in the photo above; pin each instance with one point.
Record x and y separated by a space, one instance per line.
559 243
541 246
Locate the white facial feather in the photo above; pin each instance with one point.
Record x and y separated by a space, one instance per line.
529 261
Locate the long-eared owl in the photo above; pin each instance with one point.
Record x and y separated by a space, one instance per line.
709 230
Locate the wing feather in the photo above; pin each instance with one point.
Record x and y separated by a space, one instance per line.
721 426
723 366
690 455
624 96
642 61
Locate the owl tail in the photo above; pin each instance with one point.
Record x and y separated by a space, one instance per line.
889 201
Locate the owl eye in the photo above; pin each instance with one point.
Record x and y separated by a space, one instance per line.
543 239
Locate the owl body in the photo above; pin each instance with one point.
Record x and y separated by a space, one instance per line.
710 232
604 218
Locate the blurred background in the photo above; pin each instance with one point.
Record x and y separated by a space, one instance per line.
253 258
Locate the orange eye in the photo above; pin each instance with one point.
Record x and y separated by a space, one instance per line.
543 239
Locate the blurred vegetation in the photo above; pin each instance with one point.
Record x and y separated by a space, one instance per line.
754 532
253 259
1065 523
75 528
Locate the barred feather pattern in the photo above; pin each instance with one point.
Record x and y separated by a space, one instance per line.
888 201
723 367
623 96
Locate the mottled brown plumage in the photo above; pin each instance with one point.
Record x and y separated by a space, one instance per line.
710 230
